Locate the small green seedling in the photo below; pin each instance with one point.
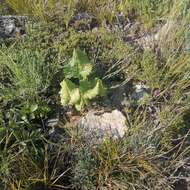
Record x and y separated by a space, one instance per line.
79 94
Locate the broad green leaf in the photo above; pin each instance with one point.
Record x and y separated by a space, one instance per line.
75 96
80 104
69 93
85 70
79 66
64 93
86 85
97 90
71 72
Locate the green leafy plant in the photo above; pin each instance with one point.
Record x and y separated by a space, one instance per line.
79 94
30 111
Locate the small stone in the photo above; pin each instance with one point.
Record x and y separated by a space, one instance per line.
12 26
148 41
141 91
96 127
95 29
83 21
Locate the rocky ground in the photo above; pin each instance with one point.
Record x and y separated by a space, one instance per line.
136 137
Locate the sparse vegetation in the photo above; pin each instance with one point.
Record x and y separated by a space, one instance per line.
136 44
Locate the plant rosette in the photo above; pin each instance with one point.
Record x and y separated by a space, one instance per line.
79 94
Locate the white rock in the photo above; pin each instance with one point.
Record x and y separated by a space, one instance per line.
95 127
